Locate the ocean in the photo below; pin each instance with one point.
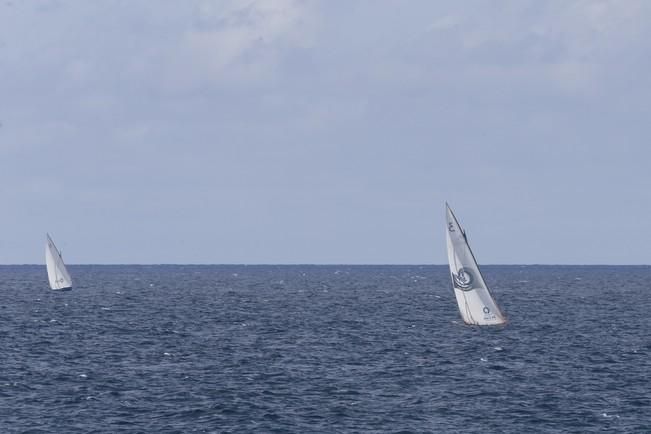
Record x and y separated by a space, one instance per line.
322 349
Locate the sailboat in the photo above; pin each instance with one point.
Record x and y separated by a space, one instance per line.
476 304
56 270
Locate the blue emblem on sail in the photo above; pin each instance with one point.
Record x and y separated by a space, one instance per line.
463 279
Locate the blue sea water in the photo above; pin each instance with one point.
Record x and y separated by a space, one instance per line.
308 349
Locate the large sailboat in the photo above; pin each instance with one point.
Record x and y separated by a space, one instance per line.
56 270
476 304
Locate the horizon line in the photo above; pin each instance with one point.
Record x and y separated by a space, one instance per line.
333 264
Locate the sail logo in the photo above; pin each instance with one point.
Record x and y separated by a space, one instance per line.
451 227
488 315
463 279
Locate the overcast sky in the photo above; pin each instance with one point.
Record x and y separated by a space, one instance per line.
284 131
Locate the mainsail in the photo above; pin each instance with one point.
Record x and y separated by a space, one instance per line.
475 301
56 269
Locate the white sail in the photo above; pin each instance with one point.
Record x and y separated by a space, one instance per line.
475 301
56 269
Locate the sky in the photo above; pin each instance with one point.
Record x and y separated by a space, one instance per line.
288 131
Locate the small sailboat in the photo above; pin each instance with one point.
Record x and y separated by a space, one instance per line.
56 270
476 304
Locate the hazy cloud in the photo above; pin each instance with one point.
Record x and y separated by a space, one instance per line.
319 131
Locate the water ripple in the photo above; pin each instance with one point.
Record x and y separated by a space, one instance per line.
296 349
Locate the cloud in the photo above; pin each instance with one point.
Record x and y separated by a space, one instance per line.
237 42
306 110
571 45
